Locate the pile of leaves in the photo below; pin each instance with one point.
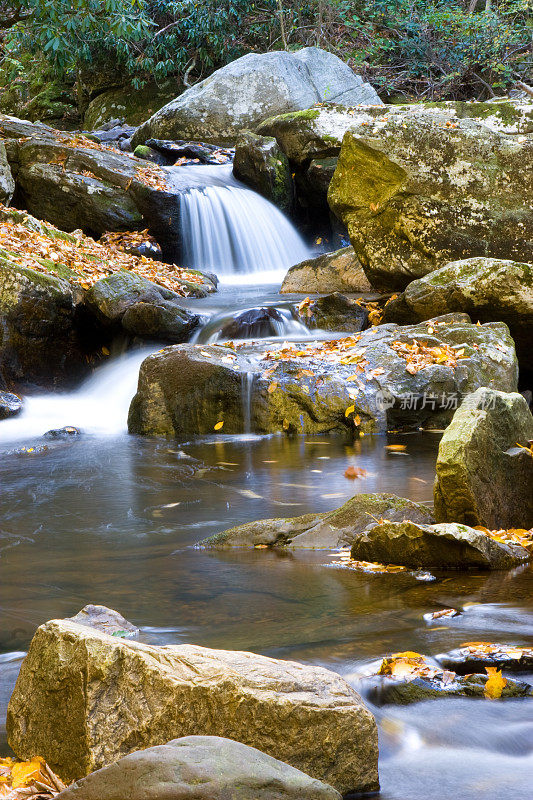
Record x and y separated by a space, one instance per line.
81 259
343 559
517 536
127 240
419 355
496 652
28 780
408 666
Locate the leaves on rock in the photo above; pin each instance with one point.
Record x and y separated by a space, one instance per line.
512 536
418 355
495 683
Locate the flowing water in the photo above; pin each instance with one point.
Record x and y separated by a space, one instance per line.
111 518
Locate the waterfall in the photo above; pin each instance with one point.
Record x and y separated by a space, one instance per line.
227 228
100 405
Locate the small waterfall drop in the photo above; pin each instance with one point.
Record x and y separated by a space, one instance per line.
100 405
229 229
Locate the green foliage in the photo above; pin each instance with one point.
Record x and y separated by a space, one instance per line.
427 49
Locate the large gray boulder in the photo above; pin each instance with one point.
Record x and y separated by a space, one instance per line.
339 271
366 381
419 190
252 88
443 546
327 531
7 184
199 767
484 476
488 289
84 699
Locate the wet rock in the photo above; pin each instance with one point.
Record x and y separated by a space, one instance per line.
255 323
418 191
334 312
488 289
147 153
7 184
111 134
480 655
95 698
307 388
327 531
10 405
105 620
206 767
68 432
340 271
141 308
173 151
252 88
384 690
261 164
483 477
443 546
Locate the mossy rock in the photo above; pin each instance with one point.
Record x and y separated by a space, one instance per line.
132 105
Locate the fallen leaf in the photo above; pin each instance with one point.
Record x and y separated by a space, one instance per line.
219 425
495 683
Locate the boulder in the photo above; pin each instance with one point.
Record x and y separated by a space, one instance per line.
252 88
84 699
487 289
7 184
106 620
340 271
203 767
328 531
39 341
442 546
253 323
483 476
419 190
334 312
10 405
477 656
141 308
261 164
133 106
366 382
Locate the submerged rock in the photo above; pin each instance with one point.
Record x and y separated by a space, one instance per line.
254 323
10 405
68 432
418 191
443 546
340 271
365 382
327 531
203 767
483 476
84 699
488 289
480 655
252 88
261 164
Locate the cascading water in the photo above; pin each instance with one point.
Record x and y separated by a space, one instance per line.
228 229
100 405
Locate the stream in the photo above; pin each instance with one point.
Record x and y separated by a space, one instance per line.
110 518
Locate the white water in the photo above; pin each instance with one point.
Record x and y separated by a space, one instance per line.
285 327
227 228
99 406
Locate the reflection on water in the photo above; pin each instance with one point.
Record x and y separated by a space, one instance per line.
111 520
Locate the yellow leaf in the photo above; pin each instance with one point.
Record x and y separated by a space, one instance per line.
357 420
24 772
272 388
219 425
495 683
286 424
349 411
105 351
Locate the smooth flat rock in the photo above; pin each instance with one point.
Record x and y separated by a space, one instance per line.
199 768
339 271
327 531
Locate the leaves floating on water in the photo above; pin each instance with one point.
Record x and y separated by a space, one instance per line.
396 448
28 779
355 472
446 613
495 683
